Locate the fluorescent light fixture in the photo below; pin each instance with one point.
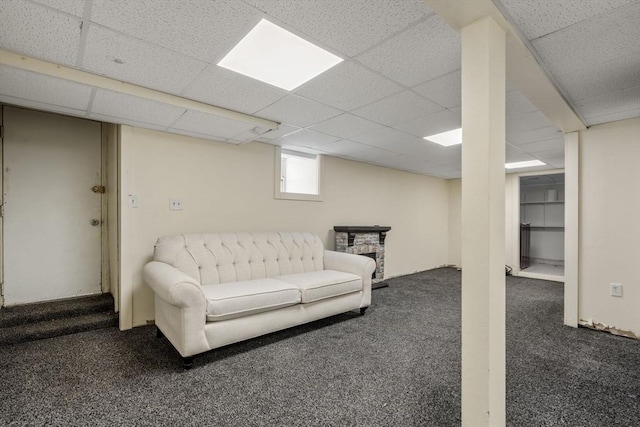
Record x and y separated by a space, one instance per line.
527 164
275 56
448 138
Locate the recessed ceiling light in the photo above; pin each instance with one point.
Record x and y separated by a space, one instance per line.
448 138
527 164
275 56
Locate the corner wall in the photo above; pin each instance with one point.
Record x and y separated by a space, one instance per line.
610 225
224 187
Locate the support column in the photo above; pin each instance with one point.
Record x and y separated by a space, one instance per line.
571 227
483 224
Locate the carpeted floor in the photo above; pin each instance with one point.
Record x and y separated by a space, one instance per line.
399 365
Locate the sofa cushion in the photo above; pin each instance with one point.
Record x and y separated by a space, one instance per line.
236 299
317 285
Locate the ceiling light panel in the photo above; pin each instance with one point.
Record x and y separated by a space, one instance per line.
278 57
40 32
448 138
350 26
525 164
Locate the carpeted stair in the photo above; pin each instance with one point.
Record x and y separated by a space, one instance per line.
32 322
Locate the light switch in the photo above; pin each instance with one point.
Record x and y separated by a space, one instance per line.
133 201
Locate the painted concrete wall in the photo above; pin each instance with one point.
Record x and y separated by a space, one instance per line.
231 188
610 224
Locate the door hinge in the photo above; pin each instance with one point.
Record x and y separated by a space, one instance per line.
99 189
2 210
1 132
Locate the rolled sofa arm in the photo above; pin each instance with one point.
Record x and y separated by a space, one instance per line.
172 285
349 263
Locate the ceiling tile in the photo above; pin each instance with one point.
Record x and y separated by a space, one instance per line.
397 108
527 121
345 26
515 154
307 138
517 103
347 86
611 107
36 105
124 121
224 88
524 137
601 39
280 132
297 111
546 145
39 32
603 78
423 52
74 7
345 126
208 124
537 18
444 90
344 146
392 140
137 62
49 90
431 124
202 29
141 110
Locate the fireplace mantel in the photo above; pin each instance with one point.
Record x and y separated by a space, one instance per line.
365 240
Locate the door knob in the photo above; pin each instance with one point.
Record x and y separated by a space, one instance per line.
95 222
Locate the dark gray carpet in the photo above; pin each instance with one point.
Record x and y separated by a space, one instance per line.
51 319
399 365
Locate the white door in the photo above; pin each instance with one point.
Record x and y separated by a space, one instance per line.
52 218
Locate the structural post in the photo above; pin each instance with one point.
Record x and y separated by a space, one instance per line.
571 224
483 224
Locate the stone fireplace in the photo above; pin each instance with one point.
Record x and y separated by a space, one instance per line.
367 241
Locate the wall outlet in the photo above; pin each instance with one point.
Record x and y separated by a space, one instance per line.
175 204
615 289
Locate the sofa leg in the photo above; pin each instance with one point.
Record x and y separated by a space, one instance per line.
187 362
362 310
159 333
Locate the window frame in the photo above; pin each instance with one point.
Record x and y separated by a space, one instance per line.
282 195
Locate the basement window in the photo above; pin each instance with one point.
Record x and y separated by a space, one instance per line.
297 175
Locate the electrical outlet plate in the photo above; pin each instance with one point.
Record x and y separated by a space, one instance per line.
615 289
175 204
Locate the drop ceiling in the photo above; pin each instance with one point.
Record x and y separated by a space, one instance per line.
399 81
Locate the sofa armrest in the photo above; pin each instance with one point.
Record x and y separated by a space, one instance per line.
172 285
349 263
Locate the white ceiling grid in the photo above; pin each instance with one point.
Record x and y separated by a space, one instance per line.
399 81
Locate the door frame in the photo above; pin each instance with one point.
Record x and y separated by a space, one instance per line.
109 179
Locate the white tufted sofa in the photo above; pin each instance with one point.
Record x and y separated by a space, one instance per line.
216 289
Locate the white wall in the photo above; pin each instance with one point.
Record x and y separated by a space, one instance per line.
610 224
455 222
609 216
230 188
